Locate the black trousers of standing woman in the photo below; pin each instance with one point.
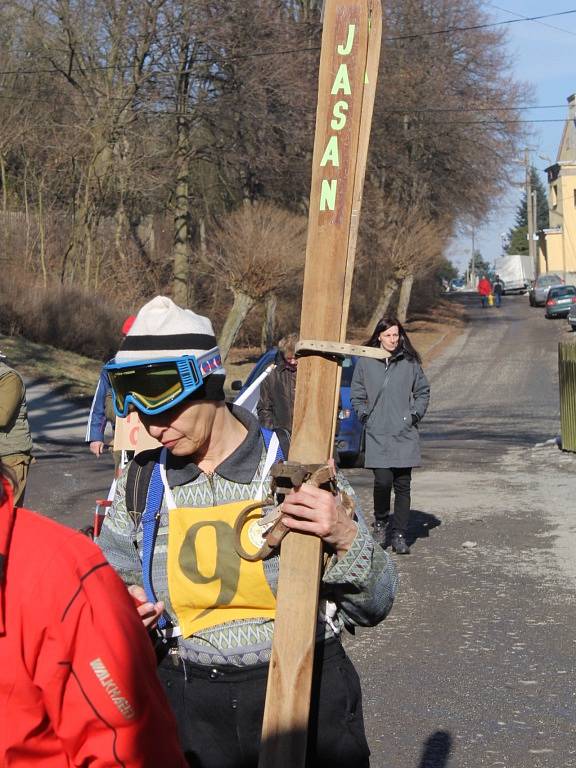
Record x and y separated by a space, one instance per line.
384 480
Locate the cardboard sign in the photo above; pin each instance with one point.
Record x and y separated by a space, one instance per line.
130 435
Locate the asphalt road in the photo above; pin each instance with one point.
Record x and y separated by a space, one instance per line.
66 478
475 665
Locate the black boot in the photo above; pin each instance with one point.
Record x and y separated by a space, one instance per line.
379 533
399 544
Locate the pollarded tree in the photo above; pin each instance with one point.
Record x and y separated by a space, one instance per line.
409 242
256 249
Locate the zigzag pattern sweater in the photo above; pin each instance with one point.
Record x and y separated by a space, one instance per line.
362 584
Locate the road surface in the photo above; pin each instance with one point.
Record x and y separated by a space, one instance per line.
475 665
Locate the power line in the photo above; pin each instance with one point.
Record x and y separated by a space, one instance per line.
519 108
142 99
308 49
525 18
174 113
494 121
160 73
482 26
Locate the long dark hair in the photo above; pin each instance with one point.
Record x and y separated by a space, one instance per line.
404 343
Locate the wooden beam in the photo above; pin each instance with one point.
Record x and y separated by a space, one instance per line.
342 130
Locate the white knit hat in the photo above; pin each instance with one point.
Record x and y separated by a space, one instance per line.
163 329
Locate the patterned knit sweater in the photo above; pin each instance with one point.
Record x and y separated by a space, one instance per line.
362 584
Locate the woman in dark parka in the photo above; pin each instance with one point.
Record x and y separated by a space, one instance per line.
391 397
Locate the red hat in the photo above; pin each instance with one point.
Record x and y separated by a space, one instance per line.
127 324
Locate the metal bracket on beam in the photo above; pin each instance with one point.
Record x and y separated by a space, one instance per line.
338 350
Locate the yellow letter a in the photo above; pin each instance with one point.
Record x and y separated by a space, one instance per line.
341 81
331 153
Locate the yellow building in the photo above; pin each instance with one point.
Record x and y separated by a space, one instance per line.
557 244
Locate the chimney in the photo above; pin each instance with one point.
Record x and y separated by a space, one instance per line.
567 148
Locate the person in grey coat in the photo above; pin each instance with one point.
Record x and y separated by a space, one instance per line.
390 398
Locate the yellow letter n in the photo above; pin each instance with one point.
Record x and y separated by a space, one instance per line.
328 194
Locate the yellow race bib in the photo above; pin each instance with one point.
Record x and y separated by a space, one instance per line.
208 582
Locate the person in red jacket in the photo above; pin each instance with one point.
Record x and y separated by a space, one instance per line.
484 289
78 684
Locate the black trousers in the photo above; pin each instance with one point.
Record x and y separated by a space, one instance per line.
219 712
384 480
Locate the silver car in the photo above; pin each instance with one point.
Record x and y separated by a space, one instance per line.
538 293
572 317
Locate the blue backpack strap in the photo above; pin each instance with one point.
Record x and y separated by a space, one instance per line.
150 524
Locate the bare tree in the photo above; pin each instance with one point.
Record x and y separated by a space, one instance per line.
404 243
256 250
118 112
100 51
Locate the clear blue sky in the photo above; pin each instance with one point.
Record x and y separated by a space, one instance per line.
545 58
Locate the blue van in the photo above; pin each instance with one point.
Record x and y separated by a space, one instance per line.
349 430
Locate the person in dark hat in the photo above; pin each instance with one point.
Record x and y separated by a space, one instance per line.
170 535
276 403
498 290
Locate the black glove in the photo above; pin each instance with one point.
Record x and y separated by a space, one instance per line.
415 419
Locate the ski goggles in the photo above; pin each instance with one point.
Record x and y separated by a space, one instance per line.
153 386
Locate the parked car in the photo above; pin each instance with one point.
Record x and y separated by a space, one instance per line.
572 317
560 300
458 284
538 293
349 430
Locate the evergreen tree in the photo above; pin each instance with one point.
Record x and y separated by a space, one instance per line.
517 239
446 270
481 267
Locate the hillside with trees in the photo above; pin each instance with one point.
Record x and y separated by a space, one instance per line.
166 147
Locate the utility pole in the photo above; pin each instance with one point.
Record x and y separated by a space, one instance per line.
535 229
530 213
473 262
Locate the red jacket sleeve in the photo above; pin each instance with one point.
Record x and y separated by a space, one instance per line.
97 670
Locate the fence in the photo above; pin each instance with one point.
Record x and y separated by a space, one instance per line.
567 380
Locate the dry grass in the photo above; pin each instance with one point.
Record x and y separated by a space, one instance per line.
74 376
60 316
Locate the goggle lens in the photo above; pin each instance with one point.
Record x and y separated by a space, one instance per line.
151 387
